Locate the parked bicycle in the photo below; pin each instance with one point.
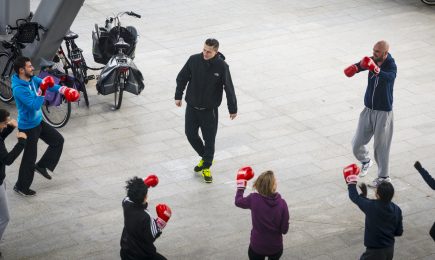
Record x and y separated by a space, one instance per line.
75 61
26 32
114 45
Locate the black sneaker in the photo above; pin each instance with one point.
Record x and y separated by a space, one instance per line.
27 193
43 172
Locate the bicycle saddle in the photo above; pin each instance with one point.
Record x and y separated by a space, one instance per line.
70 36
121 44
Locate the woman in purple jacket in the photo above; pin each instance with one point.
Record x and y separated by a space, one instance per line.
270 216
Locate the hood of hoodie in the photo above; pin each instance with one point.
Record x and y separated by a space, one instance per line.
272 200
16 81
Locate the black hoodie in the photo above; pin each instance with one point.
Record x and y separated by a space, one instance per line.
206 80
140 231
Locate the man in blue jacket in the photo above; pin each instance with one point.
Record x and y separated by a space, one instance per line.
383 218
377 117
29 92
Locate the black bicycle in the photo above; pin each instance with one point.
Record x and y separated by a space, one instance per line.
115 46
26 32
75 61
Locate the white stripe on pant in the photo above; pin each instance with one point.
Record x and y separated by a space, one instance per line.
380 125
4 212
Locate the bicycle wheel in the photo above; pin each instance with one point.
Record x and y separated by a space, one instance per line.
5 78
429 2
119 89
57 116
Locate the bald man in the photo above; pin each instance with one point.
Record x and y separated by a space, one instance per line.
376 119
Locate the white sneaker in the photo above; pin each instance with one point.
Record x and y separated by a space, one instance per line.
378 181
365 168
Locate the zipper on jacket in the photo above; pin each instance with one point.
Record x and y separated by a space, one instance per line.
374 89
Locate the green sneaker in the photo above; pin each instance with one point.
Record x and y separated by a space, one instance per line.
198 168
206 173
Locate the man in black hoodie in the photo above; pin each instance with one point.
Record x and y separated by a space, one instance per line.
7 125
383 218
206 75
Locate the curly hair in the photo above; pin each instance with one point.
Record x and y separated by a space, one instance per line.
136 190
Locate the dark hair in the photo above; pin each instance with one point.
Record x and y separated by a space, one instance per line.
4 114
20 63
213 43
385 191
136 190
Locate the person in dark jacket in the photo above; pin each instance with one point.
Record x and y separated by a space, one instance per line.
383 220
431 182
7 125
206 75
377 117
140 229
270 217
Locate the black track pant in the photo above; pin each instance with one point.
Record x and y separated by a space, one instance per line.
207 121
49 159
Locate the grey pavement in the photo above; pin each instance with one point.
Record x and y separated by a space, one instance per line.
297 115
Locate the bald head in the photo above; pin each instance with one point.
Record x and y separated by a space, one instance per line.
380 51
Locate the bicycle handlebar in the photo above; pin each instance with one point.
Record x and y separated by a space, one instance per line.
131 13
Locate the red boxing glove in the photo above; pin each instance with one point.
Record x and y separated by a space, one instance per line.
244 174
351 70
47 82
151 180
350 174
368 63
70 94
164 213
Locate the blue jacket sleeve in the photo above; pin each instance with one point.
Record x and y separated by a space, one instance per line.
242 202
362 202
427 178
388 73
399 229
55 88
30 101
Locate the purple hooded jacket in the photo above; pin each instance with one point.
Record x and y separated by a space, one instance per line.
270 220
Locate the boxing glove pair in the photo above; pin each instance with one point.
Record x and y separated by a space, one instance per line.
70 94
164 212
365 63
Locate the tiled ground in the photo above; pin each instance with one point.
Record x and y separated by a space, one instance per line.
297 115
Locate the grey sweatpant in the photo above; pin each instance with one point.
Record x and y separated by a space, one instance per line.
380 125
4 212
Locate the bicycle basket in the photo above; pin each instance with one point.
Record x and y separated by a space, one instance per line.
27 32
76 55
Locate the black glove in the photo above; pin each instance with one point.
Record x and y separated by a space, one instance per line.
418 166
363 188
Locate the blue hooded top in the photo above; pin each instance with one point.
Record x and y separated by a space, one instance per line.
28 102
